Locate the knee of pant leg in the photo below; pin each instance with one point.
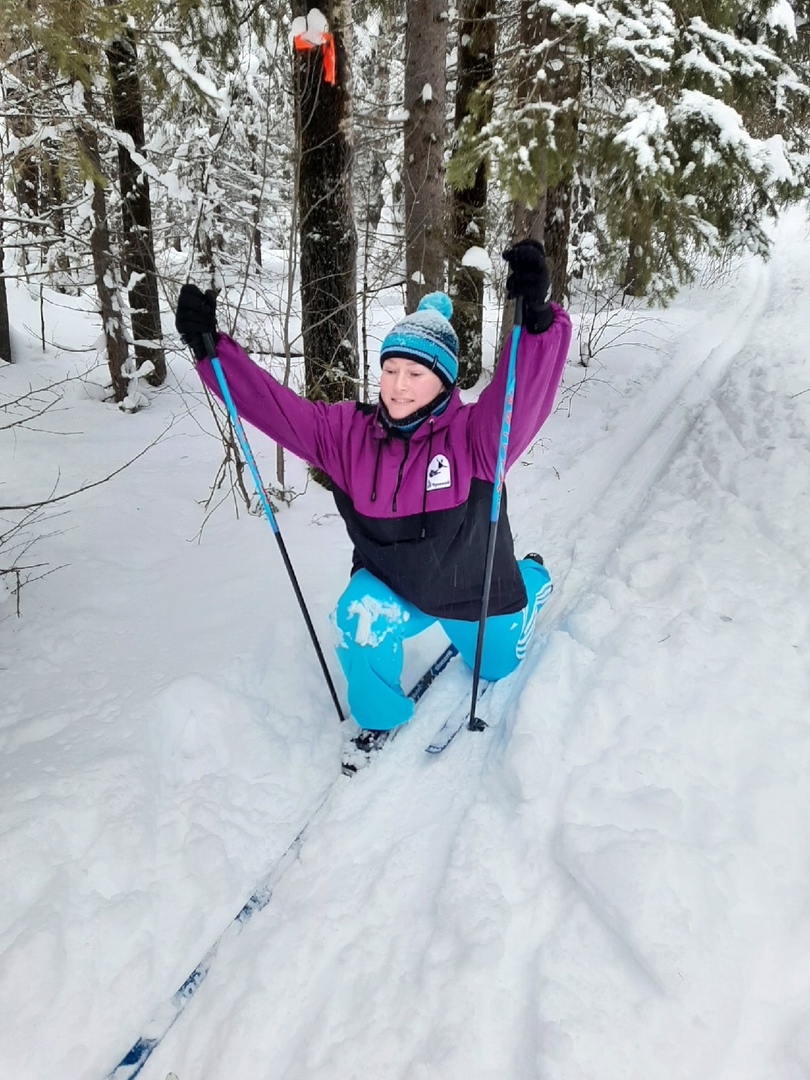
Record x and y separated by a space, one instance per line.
536 578
341 622
537 598
509 636
369 613
498 667
499 657
348 610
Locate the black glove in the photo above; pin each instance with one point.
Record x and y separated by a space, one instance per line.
530 279
196 315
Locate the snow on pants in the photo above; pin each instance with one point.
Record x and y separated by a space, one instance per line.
372 622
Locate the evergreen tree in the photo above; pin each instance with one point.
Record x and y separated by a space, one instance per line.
646 133
60 147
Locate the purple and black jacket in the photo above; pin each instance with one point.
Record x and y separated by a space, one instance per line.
416 507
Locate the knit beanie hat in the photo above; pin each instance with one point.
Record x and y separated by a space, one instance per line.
427 337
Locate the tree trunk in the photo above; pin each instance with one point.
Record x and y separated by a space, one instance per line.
528 222
136 207
476 69
53 202
549 219
5 329
633 269
557 234
256 167
104 269
564 84
5 326
326 220
377 151
25 166
423 173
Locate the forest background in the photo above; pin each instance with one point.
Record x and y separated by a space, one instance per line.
301 161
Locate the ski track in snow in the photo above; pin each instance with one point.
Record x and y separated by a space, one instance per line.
608 883
606 895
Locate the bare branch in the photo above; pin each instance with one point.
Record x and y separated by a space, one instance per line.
95 483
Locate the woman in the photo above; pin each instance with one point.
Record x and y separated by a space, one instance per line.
412 479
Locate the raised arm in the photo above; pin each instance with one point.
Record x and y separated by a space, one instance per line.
541 355
310 430
539 367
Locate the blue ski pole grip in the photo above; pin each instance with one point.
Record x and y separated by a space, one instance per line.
506 421
210 348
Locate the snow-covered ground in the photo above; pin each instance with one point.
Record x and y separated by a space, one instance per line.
611 883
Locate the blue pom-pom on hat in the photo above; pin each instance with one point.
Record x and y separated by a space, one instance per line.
437 301
426 337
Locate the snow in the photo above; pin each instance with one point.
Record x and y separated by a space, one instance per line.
780 166
215 94
367 612
646 127
782 17
729 124
645 135
312 27
610 882
478 259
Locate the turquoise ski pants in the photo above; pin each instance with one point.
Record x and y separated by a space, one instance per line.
372 622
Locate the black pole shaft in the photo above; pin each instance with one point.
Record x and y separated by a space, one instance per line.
241 438
474 724
312 632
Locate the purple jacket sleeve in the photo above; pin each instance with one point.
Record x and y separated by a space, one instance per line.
311 430
538 370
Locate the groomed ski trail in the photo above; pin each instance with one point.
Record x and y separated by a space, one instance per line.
425 812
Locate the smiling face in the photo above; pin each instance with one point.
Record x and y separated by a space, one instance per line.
406 386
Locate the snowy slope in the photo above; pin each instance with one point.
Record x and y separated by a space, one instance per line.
609 883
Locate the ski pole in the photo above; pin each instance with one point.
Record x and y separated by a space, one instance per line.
474 724
208 342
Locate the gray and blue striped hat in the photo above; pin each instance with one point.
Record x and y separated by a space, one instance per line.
426 337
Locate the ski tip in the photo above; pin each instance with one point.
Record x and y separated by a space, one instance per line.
440 744
445 735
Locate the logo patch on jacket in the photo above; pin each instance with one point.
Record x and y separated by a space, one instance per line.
438 474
